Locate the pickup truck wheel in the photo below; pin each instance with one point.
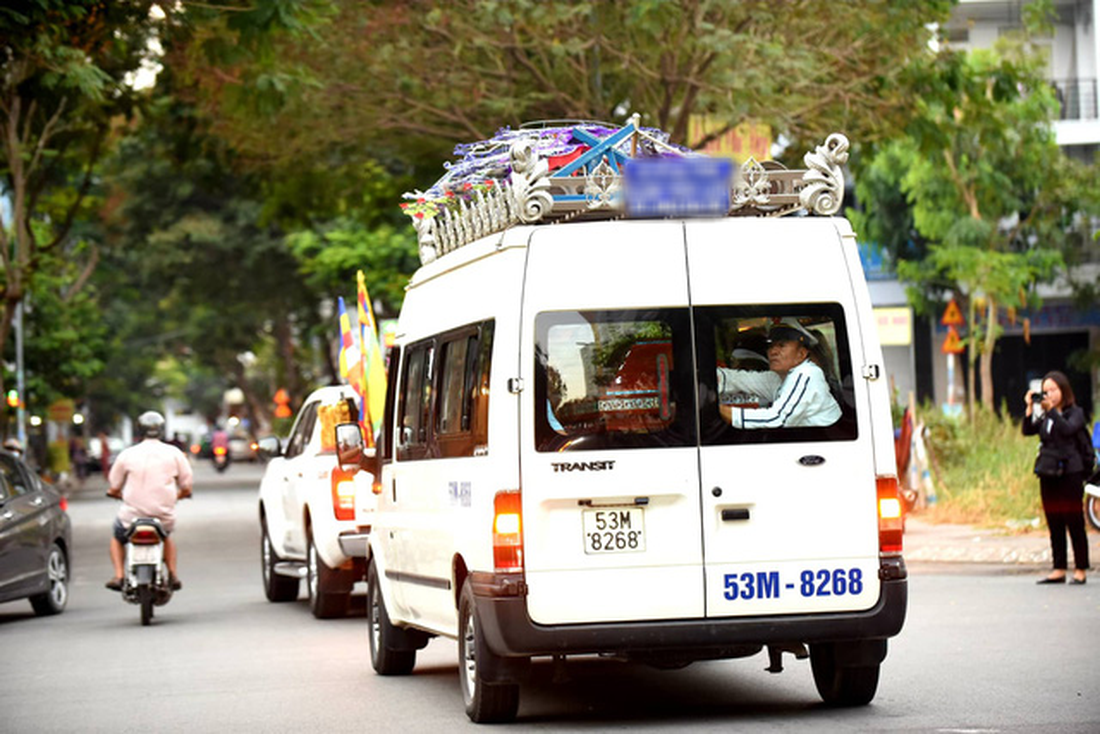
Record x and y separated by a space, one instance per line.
277 588
386 657
842 685
323 602
486 700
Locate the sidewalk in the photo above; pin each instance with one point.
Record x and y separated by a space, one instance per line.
967 544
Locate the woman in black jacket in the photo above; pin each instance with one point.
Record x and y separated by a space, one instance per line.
1061 472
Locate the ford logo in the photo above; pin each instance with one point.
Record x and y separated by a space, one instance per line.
811 460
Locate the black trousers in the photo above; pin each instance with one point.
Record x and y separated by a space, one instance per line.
1064 510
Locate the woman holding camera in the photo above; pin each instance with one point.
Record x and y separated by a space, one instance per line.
1061 472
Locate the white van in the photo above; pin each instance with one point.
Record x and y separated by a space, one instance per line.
578 456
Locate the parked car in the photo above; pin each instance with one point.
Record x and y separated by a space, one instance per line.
35 538
314 520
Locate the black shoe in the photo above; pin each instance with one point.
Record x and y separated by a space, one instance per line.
114 584
1049 580
175 583
1077 581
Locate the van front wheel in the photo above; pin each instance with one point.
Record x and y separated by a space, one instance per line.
386 656
486 700
842 685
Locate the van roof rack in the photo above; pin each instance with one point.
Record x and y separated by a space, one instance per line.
556 173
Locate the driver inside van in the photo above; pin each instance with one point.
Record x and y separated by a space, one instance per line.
792 393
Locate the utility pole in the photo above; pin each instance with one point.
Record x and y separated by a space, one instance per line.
21 410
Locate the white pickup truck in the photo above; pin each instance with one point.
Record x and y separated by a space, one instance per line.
314 520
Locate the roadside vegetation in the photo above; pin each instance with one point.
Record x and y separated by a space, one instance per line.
982 471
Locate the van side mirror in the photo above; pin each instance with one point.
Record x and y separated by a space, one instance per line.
351 453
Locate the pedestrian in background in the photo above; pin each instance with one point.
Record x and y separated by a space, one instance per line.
1061 471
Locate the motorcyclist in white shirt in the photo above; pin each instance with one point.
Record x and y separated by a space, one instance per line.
149 477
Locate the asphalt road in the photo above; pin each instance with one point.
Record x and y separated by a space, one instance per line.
984 650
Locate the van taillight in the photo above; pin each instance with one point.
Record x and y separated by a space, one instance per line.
145 536
507 532
891 523
343 494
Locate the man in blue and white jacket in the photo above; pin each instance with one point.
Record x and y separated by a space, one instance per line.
794 392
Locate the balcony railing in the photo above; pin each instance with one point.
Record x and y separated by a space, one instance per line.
1077 97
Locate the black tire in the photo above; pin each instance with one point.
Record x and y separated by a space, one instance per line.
323 601
842 686
145 599
387 655
487 701
276 588
1092 510
57 571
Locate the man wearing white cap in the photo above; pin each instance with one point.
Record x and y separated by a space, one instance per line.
796 388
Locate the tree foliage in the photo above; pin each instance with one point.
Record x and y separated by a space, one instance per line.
419 76
987 213
63 68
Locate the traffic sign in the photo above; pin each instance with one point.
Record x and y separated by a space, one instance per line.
952 316
952 344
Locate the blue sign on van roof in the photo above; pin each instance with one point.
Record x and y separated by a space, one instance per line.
677 187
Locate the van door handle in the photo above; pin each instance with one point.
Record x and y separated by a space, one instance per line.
735 513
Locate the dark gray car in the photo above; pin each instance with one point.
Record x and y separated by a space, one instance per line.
35 539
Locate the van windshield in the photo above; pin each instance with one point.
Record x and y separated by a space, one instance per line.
624 379
613 379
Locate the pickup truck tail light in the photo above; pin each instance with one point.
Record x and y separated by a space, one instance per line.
343 494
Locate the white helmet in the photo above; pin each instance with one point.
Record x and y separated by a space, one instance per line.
13 445
151 424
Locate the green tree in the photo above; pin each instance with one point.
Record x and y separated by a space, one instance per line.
63 75
980 173
416 77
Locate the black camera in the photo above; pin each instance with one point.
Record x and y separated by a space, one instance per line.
1037 397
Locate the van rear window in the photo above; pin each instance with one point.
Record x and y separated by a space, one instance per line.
775 373
613 379
624 379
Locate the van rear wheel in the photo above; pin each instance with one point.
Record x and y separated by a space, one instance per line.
387 657
842 685
486 700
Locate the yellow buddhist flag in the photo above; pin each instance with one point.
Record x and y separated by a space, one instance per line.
374 369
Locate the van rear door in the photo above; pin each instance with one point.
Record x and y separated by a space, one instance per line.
789 520
610 485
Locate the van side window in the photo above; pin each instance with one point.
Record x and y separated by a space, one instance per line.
454 411
385 435
613 379
461 426
780 373
443 403
416 398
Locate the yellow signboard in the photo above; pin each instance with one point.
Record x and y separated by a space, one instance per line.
744 140
895 326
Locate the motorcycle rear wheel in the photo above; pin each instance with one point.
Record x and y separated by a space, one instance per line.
1092 510
145 599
